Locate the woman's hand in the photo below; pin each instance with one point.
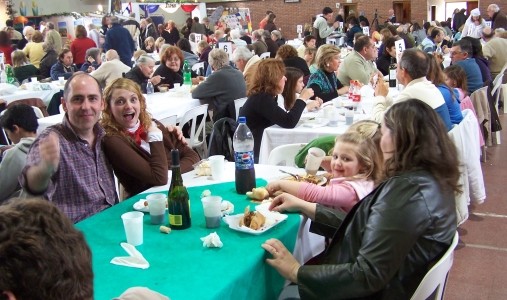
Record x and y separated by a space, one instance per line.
282 260
314 104
90 69
306 94
155 79
177 131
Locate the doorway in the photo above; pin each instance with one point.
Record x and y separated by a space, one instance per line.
402 11
349 7
433 13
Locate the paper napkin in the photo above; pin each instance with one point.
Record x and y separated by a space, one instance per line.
134 260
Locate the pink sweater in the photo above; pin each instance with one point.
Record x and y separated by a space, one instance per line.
340 193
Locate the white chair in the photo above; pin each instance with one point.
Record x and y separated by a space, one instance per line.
197 138
238 104
197 67
284 155
38 112
170 120
433 283
265 55
60 109
6 139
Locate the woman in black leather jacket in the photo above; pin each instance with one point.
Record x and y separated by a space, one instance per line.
385 245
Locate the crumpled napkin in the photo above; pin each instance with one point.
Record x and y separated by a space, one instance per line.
134 260
212 240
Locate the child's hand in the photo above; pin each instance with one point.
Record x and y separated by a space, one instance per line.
273 187
286 202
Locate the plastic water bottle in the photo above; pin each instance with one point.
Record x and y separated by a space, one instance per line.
187 76
149 88
243 144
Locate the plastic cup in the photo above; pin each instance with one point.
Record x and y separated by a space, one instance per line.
61 80
212 210
133 223
33 79
313 160
156 205
349 117
217 164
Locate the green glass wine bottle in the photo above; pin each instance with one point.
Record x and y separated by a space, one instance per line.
178 200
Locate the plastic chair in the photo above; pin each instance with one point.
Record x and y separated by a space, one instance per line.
197 138
433 283
265 55
198 68
170 120
5 138
238 104
284 155
38 112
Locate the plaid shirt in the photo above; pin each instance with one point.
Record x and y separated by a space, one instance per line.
83 184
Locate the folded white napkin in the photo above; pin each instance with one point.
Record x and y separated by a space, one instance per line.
135 260
212 240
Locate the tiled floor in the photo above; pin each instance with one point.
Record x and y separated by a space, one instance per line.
480 263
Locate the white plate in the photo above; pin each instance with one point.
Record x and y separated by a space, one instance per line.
322 181
272 219
315 122
139 206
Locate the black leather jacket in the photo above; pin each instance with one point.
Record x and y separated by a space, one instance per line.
384 246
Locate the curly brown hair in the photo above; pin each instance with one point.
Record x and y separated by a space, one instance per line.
421 142
266 78
286 51
169 51
107 121
42 254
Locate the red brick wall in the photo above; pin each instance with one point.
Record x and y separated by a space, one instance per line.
288 15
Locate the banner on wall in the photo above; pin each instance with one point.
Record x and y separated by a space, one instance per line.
236 18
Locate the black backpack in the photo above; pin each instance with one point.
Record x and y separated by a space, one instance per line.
220 142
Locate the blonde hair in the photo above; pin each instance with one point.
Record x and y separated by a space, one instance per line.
365 135
111 126
325 53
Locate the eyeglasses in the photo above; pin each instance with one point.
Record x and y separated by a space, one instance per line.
173 59
455 52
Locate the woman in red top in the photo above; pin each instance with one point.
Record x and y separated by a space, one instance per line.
6 46
80 45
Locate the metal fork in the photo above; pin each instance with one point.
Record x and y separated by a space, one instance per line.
291 174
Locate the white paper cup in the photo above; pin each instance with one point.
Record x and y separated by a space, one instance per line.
349 117
133 223
217 164
33 79
313 160
156 205
61 80
212 210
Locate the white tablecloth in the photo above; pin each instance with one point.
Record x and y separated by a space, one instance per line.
275 136
307 245
159 105
44 95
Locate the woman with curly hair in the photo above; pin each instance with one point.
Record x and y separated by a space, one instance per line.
261 108
138 147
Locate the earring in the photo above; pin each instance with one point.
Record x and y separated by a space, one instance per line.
327 65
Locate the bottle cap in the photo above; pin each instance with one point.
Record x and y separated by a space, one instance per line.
242 120
175 157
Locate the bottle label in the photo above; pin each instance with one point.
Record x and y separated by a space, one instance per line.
176 220
392 74
244 160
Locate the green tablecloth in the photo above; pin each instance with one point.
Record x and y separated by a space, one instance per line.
180 267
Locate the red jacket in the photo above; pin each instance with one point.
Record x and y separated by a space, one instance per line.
7 50
79 47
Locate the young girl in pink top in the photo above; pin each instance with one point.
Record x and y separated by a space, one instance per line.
355 165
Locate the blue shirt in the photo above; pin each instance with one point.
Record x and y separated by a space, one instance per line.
451 103
474 76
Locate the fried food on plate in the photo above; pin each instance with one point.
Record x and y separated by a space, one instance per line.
252 219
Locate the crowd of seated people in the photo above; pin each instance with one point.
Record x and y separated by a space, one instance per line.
378 171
